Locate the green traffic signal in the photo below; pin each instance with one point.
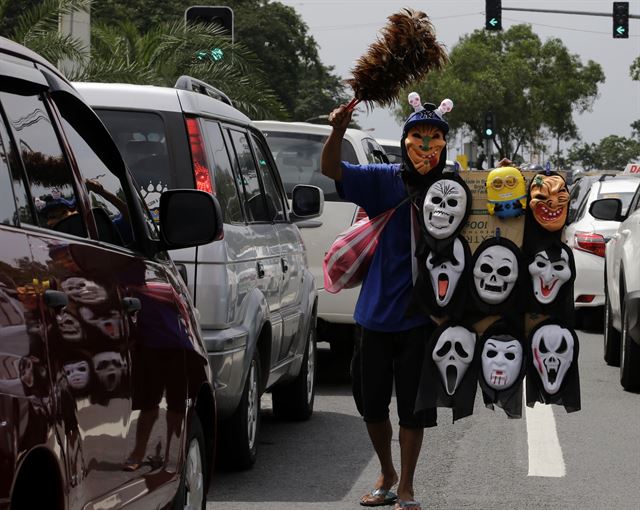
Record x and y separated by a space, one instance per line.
216 54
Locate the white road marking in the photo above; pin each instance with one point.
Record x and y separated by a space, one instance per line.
545 453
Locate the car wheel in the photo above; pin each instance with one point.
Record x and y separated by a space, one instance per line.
294 401
192 492
611 336
239 438
629 357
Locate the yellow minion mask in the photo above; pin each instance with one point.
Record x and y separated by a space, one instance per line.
506 192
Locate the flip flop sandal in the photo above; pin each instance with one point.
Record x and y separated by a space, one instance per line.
405 503
383 497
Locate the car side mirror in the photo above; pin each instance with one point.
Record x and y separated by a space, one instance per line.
189 217
307 202
608 209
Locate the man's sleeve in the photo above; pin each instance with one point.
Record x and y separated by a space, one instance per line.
367 186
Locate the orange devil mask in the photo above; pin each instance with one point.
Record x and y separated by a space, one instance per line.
549 201
424 144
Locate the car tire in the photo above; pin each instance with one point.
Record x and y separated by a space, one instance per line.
611 336
192 491
629 357
294 401
238 447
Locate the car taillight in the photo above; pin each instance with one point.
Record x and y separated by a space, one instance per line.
592 243
585 298
198 156
360 215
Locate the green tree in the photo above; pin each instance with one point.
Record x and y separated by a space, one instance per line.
611 153
532 87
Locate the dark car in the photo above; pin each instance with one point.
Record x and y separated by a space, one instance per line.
106 397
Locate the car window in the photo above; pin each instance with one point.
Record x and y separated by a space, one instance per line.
582 206
10 158
47 170
224 183
373 150
393 153
106 194
254 202
142 141
275 205
297 156
8 213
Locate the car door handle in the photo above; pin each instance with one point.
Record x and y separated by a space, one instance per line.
260 269
131 305
285 266
55 299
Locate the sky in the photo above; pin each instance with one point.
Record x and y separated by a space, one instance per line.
344 29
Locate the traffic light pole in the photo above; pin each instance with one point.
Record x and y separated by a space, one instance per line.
582 13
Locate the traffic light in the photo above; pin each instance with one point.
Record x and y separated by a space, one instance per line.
220 14
489 128
493 9
620 20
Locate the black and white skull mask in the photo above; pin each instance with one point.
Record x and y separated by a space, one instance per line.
109 367
501 361
452 355
445 276
549 276
444 208
552 348
77 374
495 273
84 291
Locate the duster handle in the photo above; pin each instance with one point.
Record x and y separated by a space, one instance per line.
352 104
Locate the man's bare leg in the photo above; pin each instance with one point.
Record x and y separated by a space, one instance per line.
410 445
381 434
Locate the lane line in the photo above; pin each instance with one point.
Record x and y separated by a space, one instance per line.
545 453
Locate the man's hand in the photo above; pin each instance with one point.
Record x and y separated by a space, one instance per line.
340 118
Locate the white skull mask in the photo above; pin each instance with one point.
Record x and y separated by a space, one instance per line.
444 277
548 277
444 208
84 291
552 347
77 374
495 273
501 362
109 367
453 354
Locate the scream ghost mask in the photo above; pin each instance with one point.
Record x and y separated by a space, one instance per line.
549 272
109 368
549 201
552 347
453 354
501 360
446 275
445 206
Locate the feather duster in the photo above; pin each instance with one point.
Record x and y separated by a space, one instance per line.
406 51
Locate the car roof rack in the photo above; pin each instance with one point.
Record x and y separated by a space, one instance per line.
195 85
606 176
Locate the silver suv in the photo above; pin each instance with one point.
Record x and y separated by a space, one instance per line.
255 295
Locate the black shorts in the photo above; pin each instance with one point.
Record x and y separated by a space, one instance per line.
382 359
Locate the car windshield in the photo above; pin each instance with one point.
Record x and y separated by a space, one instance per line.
297 157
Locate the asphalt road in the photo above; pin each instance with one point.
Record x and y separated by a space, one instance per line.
481 462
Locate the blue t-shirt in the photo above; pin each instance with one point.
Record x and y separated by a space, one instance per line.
386 288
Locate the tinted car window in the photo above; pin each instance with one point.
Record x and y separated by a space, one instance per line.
373 150
141 138
224 183
48 173
297 157
8 214
271 189
393 153
254 203
107 197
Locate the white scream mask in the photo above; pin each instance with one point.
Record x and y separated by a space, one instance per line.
549 276
501 362
495 273
444 277
453 354
109 367
444 208
552 347
77 374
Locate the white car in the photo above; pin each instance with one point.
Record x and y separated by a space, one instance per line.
622 282
587 237
296 148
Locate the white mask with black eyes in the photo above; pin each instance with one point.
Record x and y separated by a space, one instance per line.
444 277
495 273
501 362
453 354
444 208
552 348
548 277
77 374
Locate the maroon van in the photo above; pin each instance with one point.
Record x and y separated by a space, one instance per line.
106 398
